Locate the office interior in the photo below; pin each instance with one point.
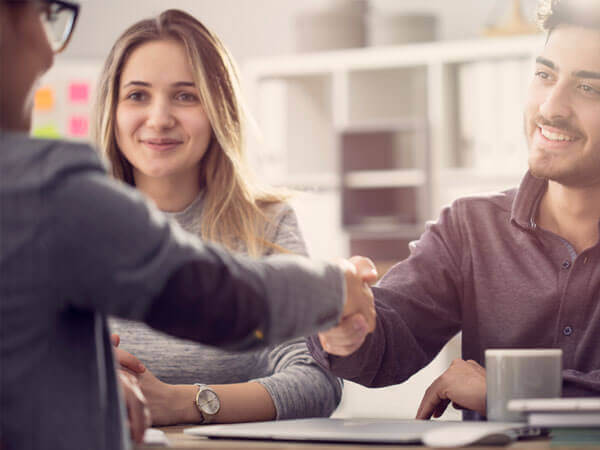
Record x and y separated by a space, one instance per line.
359 107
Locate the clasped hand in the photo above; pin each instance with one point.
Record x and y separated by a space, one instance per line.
358 316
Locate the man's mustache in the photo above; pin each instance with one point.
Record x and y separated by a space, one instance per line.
560 124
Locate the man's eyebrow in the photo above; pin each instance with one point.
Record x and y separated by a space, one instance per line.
545 62
587 74
577 73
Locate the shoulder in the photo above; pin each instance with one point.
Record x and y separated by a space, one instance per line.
47 160
485 203
277 212
475 213
282 227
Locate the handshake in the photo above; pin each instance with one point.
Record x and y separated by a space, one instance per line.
358 316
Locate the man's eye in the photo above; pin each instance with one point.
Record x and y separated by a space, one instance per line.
541 74
588 89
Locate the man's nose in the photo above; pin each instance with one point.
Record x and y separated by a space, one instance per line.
557 104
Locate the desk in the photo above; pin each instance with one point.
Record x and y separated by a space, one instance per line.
180 441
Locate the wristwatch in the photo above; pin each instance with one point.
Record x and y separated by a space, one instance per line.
207 402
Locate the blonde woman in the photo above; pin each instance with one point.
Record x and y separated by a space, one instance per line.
169 121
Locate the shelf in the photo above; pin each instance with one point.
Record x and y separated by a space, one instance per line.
383 230
462 175
377 58
384 125
320 181
376 179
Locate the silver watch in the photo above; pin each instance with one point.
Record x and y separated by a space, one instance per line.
207 402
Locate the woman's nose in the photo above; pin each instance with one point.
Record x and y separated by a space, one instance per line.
160 115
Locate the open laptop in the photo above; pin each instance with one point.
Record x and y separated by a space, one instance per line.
380 431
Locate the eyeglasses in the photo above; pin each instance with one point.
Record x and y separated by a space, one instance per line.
58 19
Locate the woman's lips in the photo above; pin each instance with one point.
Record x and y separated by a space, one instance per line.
161 144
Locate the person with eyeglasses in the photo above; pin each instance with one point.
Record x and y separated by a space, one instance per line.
76 246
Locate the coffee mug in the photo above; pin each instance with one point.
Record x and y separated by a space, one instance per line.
520 373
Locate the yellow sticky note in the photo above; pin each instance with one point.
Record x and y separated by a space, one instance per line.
44 99
48 131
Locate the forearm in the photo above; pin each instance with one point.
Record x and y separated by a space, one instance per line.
241 304
241 402
303 390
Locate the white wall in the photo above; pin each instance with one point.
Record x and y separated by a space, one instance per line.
254 28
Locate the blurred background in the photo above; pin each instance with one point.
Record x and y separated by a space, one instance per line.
378 113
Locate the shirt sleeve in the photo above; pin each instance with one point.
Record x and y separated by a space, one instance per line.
581 384
298 386
116 254
418 311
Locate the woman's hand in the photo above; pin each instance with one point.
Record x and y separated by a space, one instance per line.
138 414
126 360
163 399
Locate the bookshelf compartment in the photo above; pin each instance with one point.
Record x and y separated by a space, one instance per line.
380 208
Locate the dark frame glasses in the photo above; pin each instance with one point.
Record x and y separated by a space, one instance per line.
58 19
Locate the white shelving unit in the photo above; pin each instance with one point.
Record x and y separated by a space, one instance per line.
443 91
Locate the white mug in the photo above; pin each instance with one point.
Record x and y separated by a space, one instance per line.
520 373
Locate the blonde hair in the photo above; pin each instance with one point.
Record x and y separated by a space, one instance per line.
233 202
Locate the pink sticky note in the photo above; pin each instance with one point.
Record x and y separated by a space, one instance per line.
79 92
78 126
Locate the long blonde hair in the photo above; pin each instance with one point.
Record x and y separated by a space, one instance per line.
233 202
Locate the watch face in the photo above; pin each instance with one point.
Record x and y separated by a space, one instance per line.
208 402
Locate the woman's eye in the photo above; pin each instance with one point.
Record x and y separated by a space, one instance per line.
136 96
186 97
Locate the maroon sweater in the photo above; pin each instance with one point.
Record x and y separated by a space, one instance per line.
487 270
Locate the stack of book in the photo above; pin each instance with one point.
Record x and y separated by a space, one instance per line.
572 421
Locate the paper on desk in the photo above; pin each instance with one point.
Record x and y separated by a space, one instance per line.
153 436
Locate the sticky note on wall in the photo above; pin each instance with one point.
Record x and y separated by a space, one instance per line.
79 92
47 131
78 126
44 99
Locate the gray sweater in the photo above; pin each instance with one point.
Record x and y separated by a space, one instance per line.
297 385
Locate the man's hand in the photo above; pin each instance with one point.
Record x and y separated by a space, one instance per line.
358 316
137 411
463 384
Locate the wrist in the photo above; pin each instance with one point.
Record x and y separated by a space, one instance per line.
184 404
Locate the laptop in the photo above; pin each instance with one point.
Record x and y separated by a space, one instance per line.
376 431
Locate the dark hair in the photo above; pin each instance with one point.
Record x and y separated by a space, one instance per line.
552 13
